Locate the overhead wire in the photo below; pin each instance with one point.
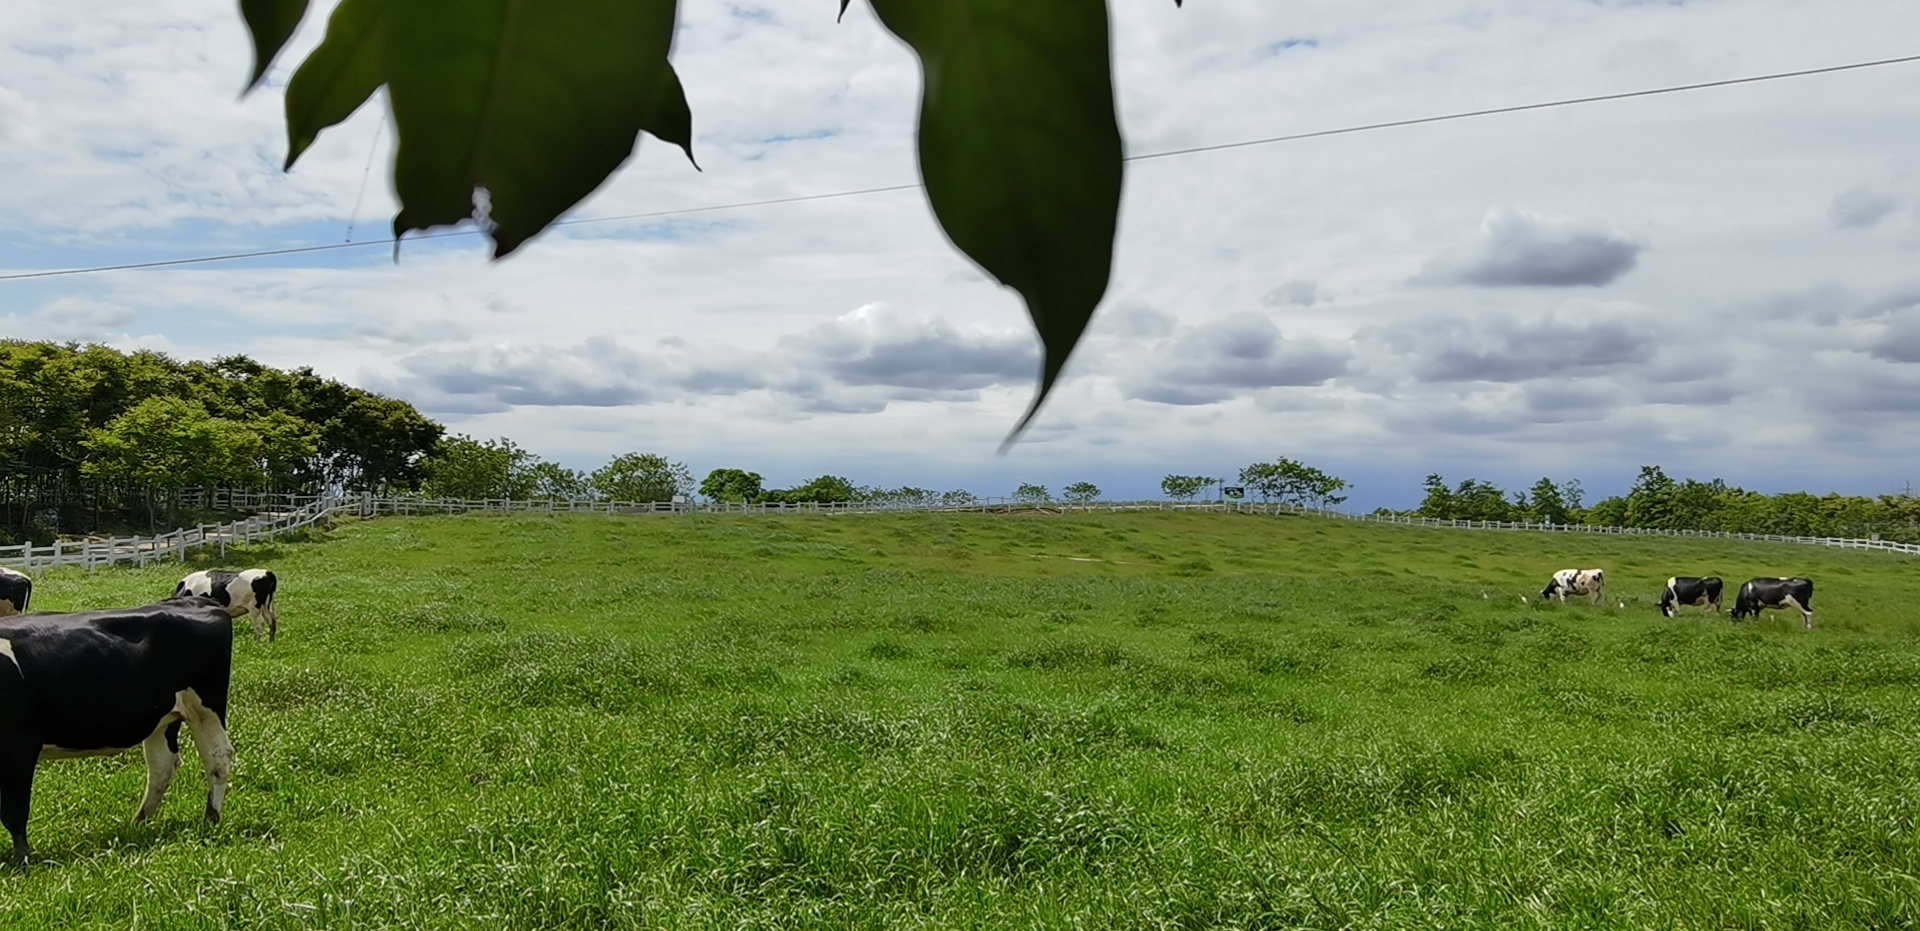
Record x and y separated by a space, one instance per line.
859 192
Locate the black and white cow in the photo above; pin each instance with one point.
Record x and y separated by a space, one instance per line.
1774 593
16 590
1576 582
102 682
1700 593
249 592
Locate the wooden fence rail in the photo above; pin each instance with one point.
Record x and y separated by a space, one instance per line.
286 513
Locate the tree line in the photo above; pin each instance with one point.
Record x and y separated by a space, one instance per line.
1657 501
89 435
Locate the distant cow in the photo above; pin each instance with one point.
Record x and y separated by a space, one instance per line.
102 682
1774 593
249 592
15 591
1576 582
1700 593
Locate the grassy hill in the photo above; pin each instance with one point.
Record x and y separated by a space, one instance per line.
1137 720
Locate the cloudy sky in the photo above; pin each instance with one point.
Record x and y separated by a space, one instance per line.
1725 282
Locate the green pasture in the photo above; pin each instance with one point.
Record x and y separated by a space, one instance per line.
1011 721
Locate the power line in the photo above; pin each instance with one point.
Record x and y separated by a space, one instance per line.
1194 150
1467 114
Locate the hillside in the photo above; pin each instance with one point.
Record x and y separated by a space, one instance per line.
1133 720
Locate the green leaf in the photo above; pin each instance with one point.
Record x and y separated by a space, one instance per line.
340 75
1020 150
535 102
271 22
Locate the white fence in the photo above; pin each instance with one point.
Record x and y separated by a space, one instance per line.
93 552
292 512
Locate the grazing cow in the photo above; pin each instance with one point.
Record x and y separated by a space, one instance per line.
249 592
101 682
1576 582
16 590
1774 593
1701 593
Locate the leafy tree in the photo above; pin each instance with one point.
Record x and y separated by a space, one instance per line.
1292 482
959 497
641 477
508 114
1081 493
1185 487
1477 500
463 467
1650 502
731 485
1547 502
1438 503
1607 512
905 495
553 480
827 489
1032 494
288 446
167 444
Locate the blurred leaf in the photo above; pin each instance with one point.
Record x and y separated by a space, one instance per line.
1020 150
271 23
340 75
535 103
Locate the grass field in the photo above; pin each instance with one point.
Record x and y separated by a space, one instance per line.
1098 721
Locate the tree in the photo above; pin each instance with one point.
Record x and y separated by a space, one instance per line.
1547 502
641 477
1081 493
1032 494
959 497
555 481
1650 502
1478 500
1438 504
167 444
463 467
1020 147
1185 487
904 496
731 485
1291 482
826 489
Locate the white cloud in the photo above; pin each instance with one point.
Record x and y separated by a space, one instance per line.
1521 249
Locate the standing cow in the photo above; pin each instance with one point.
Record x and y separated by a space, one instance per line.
249 592
102 682
16 589
1576 582
1774 593
1700 593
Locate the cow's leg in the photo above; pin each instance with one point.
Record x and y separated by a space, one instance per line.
216 751
162 750
259 623
16 794
1806 613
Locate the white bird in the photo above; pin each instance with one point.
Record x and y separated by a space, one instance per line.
1523 599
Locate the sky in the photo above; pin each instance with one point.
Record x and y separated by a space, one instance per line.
1723 282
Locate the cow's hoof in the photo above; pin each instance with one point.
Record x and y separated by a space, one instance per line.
213 815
